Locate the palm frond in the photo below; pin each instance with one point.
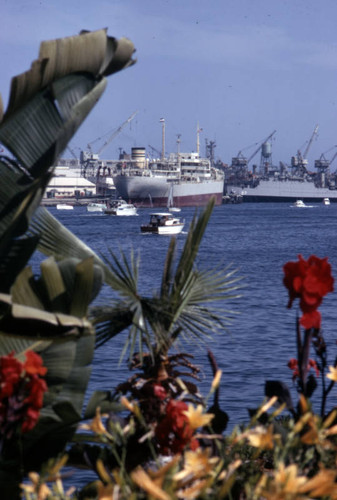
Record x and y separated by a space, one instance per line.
186 303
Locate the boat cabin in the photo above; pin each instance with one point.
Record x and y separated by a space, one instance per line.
163 219
163 223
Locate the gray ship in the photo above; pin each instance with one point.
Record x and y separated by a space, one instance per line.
181 180
283 183
178 180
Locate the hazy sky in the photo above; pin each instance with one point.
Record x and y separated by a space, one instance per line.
239 68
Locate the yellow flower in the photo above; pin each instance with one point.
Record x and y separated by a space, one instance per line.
311 436
259 437
143 480
216 380
285 485
333 373
129 406
321 485
96 425
193 491
287 480
41 489
133 407
198 464
196 418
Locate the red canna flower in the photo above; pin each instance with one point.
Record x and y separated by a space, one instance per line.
21 392
174 433
309 280
33 364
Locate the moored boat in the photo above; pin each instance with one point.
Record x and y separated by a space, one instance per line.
163 223
64 206
96 207
121 207
326 201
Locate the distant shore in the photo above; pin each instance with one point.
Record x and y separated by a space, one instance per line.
73 200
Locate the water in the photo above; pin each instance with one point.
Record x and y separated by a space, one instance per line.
257 239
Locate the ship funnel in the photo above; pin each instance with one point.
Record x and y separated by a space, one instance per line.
138 157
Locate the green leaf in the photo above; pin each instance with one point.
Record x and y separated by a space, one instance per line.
102 400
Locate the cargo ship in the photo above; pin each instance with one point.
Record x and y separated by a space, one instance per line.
184 178
179 180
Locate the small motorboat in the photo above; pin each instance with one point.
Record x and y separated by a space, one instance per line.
96 207
121 207
299 204
163 223
64 206
326 201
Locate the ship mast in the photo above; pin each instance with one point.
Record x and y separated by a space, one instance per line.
162 121
198 139
178 153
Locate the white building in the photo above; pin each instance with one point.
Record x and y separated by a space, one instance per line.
67 181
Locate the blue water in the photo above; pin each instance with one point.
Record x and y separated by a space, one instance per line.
256 239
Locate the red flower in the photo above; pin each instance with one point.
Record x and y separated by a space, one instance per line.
159 392
174 433
21 392
293 365
33 364
309 280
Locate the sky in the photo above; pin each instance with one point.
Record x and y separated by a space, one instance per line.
237 69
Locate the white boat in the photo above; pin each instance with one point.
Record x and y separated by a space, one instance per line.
326 201
299 204
64 206
170 206
121 207
96 207
163 223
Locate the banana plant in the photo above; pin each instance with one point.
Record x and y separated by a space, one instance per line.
48 315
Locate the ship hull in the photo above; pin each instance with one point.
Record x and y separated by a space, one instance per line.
283 191
154 191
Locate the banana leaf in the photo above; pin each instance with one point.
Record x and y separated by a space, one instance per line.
47 105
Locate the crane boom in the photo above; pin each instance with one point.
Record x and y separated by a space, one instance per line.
260 146
113 135
310 142
116 132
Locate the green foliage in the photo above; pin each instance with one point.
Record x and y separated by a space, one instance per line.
48 315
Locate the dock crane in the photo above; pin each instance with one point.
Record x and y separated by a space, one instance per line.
95 156
322 164
240 162
300 162
261 146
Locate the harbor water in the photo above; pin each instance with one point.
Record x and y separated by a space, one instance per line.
257 239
